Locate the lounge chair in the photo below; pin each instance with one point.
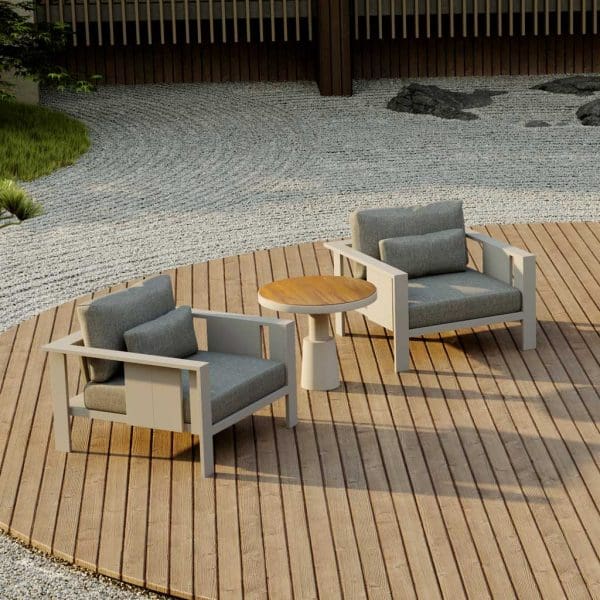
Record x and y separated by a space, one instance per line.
141 365
417 259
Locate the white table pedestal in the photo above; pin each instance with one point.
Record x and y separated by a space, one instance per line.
320 369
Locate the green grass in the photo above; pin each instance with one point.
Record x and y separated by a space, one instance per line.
16 205
35 141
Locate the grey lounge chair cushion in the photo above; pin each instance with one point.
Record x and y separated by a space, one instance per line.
457 297
172 335
371 225
427 254
105 320
235 382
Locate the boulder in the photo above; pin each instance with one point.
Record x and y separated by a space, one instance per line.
582 85
537 123
589 114
422 99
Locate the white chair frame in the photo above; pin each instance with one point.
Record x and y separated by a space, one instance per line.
153 384
500 261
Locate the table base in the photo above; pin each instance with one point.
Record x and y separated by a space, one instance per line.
320 369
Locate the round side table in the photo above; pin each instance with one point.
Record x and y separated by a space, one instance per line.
318 296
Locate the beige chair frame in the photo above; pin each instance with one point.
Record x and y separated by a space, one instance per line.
153 384
500 261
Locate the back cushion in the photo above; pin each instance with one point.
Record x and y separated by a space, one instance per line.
371 225
104 321
427 254
171 335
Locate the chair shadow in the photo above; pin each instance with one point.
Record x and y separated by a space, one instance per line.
427 461
567 353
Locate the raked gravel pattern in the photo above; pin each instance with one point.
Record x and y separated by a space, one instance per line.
183 173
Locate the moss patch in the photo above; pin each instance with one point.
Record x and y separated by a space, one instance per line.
35 141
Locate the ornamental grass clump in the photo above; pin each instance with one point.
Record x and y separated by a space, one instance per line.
36 140
16 205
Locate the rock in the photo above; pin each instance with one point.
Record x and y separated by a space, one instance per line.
581 85
589 114
432 100
537 123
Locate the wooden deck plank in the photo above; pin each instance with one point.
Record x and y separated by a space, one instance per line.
407 515
136 512
565 455
532 466
46 513
205 572
19 429
361 404
110 552
323 555
270 502
463 450
158 559
89 526
254 581
494 473
7 344
347 564
182 506
299 548
27 498
476 473
462 547
228 528
68 520
398 389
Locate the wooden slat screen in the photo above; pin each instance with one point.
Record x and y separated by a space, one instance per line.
393 19
147 22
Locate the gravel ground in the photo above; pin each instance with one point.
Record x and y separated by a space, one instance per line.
180 174
26 574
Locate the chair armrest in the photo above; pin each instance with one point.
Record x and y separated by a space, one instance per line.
343 248
491 242
509 264
71 345
259 320
233 333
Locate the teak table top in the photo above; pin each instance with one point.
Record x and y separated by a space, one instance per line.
317 293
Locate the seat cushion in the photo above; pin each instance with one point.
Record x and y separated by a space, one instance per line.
371 225
427 254
104 321
456 297
235 382
172 335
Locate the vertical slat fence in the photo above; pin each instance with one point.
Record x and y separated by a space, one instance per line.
220 40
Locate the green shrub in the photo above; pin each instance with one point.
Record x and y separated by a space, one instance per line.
36 141
16 205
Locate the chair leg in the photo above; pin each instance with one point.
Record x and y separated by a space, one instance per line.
207 455
338 318
60 396
339 325
528 333
291 409
401 352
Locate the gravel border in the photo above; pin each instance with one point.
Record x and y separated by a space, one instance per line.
27 573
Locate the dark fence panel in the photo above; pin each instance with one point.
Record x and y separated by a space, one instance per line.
449 57
269 61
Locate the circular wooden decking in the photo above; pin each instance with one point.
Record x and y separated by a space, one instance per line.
474 474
